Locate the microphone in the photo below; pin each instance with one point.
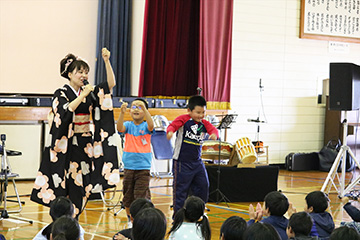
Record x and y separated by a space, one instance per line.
260 83
91 93
199 89
255 120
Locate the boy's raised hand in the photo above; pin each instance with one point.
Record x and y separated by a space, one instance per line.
291 210
142 105
259 211
255 215
252 214
123 107
105 54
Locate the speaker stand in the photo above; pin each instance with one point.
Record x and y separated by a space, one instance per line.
333 174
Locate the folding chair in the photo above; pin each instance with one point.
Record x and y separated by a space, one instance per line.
162 148
7 175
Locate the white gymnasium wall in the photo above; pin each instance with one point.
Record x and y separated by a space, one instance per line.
266 45
36 34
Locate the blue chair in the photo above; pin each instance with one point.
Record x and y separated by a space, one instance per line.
162 148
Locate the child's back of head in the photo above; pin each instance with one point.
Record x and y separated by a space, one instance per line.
344 233
318 201
194 208
193 211
65 228
196 100
277 203
300 224
149 224
61 206
233 228
139 204
261 231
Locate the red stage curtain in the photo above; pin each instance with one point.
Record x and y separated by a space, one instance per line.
215 52
170 53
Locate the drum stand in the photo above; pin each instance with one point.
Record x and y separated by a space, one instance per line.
341 190
224 124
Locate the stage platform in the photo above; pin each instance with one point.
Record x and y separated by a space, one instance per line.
243 184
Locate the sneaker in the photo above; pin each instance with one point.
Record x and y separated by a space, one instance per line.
351 196
129 224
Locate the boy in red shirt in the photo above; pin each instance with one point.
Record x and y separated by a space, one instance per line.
188 169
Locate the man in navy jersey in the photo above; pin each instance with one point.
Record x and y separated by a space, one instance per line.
188 169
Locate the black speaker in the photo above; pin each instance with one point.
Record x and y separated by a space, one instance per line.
344 86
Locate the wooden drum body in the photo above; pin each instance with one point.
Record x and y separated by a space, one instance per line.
245 150
210 150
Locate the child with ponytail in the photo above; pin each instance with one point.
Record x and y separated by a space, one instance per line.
65 228
61 206
190 221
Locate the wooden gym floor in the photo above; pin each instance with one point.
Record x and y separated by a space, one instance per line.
100 223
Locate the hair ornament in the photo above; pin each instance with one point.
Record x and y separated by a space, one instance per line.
67 64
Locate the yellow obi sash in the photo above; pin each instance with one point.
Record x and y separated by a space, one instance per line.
82 123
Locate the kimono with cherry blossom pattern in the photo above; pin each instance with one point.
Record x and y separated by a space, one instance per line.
78 163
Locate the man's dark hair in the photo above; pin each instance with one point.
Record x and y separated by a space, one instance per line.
233 228
143 100
318 200
196 100
277 203
301 223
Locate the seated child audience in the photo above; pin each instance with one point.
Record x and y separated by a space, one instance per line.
233 228
135 207
65 228
261 231
276 205
149 224
61 206
353 212
344 233
299 227
190 221
316 204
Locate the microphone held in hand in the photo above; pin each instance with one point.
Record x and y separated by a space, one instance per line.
91 93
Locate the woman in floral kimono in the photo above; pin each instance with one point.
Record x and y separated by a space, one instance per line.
78 163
